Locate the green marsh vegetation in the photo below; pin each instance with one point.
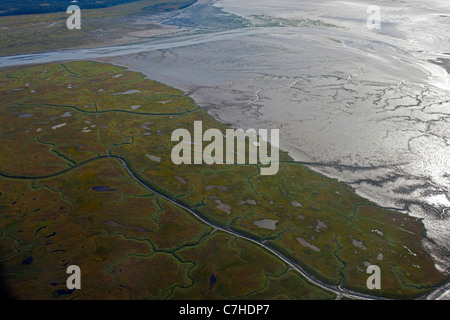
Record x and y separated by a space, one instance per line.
67 198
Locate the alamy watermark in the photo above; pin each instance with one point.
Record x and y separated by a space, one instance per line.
374 281
228 148
74 281
74 21
374 20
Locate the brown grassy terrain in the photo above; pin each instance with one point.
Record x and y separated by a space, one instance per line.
42 32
